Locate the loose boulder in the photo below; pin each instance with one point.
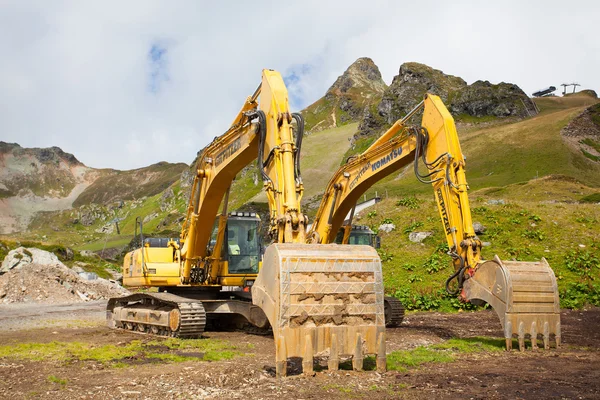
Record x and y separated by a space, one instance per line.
418 237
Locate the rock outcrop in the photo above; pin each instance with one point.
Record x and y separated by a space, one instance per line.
409 86
480 99
483 99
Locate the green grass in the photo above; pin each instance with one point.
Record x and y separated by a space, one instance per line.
115 355
402 360
445 352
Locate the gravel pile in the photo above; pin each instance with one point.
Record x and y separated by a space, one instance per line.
30 275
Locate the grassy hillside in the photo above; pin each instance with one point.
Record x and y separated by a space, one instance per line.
538 219
132 184
506 153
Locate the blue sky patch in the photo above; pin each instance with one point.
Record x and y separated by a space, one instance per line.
158 63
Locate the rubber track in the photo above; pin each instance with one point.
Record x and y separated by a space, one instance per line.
193 316
397 312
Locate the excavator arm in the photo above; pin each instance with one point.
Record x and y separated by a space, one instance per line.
260 131
523 294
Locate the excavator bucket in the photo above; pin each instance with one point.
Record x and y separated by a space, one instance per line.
323 300
523 294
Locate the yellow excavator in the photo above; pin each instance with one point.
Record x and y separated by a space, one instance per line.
523 294
319 299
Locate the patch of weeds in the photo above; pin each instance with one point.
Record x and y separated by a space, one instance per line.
517 252
516 221
57 380
413 226
372 214
409 267
409 202
578 294
533 234
414 278
384 255
583 263
535 218
335 386
434 264
387 221
585 220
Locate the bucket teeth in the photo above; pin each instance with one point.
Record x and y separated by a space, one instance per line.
307 360
281 358
381 357
533 334
357 359
523 294
521 337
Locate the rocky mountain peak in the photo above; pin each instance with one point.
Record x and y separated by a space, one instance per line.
359 87
361 74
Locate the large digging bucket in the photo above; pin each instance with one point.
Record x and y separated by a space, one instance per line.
323 300
523 294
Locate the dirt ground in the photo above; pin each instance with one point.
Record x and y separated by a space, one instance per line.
572 372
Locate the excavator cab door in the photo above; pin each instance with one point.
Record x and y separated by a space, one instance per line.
243 245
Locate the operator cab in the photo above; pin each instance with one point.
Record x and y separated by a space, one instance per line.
242 244
360 234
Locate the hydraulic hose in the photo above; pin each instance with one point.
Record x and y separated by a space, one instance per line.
299 135
262 135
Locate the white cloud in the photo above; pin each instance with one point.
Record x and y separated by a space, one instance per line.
78 74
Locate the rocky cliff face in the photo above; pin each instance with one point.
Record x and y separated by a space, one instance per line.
481 99
358 87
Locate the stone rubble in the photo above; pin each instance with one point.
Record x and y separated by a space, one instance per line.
30 275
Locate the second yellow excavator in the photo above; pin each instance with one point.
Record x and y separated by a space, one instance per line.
523 294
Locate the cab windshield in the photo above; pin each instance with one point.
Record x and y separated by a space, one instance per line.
243 246
360 238
356 237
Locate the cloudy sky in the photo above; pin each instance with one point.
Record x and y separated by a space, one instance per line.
124 84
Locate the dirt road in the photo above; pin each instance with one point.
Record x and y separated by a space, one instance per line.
572 372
